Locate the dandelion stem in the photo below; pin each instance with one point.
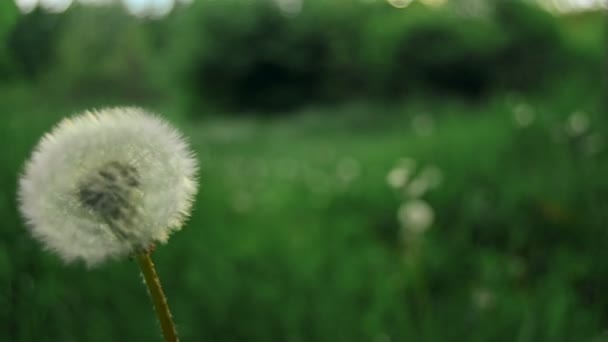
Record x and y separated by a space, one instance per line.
158 296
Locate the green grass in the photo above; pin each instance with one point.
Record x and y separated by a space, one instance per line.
294 236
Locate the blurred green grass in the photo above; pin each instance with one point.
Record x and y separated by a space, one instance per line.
295 235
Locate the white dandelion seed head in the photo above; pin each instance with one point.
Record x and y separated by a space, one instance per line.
418 186
107 183
415 216
398 177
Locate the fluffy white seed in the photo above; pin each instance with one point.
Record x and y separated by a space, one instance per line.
107 183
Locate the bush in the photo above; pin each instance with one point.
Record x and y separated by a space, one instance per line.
254 56
250 56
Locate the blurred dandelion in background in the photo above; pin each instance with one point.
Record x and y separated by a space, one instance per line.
415 216
483 298
523 115
433 176
577 123
423 124
290 8
400 3
398 176
417 187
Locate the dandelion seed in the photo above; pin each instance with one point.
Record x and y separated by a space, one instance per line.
106 184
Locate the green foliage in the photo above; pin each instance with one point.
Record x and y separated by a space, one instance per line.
430 51
32 43
533 47
249 56
8 17
109 53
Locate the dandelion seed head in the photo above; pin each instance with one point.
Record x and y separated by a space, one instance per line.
483 298
423 124
415 216
106 183
524 115
578 123
400 175
418 186
397 177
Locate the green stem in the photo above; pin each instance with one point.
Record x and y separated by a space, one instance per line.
158 297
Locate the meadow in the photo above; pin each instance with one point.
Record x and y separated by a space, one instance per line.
296 236
299 231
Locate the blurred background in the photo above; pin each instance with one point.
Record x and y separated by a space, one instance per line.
401 170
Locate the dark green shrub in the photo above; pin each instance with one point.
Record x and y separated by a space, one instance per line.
249 56
533 49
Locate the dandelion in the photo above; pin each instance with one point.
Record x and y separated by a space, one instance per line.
423 124
415 216
106 184
524 115
483 298
433 176
578 124
417 187
399 176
